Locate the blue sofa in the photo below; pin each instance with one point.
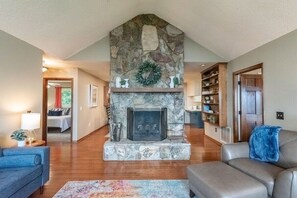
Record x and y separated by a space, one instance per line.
23 170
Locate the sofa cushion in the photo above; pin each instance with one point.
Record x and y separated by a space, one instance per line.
287 148
19 161
13 179
262 171
1 152
217 179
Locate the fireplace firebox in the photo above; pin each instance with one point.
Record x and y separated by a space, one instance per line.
146 124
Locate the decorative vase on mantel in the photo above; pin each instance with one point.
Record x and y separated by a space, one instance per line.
171 82
118 82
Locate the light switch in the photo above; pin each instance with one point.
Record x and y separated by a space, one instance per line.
280 115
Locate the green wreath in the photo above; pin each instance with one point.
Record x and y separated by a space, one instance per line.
148 73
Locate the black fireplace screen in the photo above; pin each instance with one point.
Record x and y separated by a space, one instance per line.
147 124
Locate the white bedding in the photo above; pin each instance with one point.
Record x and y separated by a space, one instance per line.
63 122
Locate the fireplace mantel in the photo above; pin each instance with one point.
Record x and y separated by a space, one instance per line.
146 90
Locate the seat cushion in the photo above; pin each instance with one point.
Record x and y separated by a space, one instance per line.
217 180
13 179
262 171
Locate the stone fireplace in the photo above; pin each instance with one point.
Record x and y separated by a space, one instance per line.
147 38
147 124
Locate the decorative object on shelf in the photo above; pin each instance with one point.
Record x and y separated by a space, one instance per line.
148 74
30 122
206 108
171 81
206 99
126 83
212 119
123 83
118 80
20 136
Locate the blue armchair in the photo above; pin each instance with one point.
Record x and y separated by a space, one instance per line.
23 170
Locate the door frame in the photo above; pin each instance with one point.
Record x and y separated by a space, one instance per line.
45 101
235 93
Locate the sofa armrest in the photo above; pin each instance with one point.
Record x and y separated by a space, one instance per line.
235 150
285 185
42 151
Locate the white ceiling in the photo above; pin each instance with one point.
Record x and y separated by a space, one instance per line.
229 28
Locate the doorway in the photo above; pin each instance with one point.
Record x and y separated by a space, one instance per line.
57 109
248 101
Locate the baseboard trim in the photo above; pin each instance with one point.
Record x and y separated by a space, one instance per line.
215 141
91 133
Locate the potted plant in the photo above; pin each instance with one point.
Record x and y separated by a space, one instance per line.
123 83
20 136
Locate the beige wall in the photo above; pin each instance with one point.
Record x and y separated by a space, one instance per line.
51 95
195 52
99 51
20 84
93 118
280 81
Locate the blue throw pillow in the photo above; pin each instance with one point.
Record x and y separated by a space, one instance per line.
14 161
264 143
1 152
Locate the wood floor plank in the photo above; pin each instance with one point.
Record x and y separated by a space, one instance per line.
84 161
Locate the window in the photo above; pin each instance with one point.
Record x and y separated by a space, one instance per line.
66 97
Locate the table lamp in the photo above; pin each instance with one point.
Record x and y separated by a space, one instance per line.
30 122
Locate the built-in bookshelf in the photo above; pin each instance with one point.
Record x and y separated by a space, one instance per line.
214 96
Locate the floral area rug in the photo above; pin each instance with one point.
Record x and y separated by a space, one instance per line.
125 188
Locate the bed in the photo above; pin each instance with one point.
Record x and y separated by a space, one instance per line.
63 122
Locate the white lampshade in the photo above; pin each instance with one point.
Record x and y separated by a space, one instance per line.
30 121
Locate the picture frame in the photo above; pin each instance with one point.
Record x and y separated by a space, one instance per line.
93 96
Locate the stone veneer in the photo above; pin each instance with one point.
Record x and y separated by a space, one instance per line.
146 37
169 149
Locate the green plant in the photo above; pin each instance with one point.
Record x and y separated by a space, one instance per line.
122 82
19 135
175 81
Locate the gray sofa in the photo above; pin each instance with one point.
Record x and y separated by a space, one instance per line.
280 178
239 176
23 170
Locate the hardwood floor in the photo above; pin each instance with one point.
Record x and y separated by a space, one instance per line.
84 161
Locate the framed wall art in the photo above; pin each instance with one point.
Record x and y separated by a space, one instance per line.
93 96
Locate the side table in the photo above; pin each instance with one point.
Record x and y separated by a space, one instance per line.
36 143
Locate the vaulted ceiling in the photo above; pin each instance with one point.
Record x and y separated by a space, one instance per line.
228 28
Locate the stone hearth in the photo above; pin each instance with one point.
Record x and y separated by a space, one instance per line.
169 149
147 38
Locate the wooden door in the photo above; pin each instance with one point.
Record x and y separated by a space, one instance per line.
251 104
